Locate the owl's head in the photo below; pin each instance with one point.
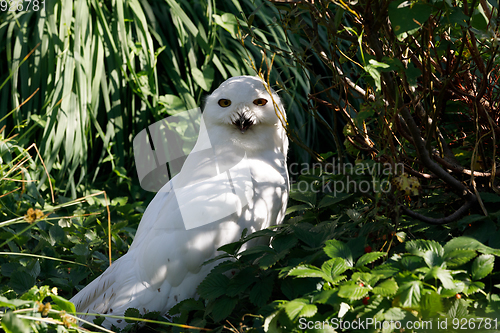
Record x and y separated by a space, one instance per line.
243 111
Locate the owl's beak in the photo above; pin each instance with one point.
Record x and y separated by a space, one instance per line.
242 122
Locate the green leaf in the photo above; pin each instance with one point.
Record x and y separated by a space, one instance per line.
153 315
227 21
213 286
261 291
80 250
394 314
469 243
443 275
336 249
479 19
386 288
420 246
304 271
458 287
296 208
431 304
458 309
56 234
401 236
269 259
385 270
365 277
223 307
63 304
187 305
329 199
368 258
13 303
10 267
12 324
482 266
377 64
410 262
260 233
21 280
327 297
181 14
489 197
231 248
203 78
132 313
241 281
472 287
334 267
282 243
430 250
409 293
412 74
373 69
98 320
172 103
457 16
259 249
308 197
33 268
470 219
352 291
270 323
407 17
459 257
119 201
39 120
299 308
305 232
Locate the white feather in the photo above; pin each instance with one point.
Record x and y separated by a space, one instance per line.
164 263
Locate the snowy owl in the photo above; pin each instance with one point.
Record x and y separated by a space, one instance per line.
243 124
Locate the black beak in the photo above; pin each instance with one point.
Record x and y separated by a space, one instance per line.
242 122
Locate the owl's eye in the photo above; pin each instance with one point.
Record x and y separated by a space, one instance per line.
260 101
224 102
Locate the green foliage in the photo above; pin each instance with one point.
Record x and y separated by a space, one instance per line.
46 243
367 84
29 313
421 281
399 77
81 79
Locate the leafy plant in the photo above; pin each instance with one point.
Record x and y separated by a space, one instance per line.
83 88
44 243
29 313
400 75
306 278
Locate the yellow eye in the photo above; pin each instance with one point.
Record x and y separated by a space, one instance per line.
260 101
224 102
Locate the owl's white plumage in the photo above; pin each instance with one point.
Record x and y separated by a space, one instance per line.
164 263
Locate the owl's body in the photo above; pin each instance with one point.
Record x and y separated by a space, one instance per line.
164 263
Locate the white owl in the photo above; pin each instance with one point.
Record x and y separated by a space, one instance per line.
189 219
